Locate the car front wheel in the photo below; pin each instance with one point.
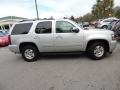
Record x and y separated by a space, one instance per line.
97 50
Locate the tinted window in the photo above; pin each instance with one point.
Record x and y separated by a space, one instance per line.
117 26
44 27
21 28
64 27
111 25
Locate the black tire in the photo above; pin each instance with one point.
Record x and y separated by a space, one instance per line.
91 50
34 51
105 27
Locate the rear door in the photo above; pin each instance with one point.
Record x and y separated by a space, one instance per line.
44 36
20 31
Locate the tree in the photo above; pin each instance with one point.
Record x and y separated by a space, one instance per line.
79 19
72 18
103 9
87 17
117 14
64 17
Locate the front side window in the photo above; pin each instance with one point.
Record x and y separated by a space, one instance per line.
23 28
64 27
44 27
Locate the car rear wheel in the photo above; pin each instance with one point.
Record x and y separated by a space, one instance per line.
96 50
30 53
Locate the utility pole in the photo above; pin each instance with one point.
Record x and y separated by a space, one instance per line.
36 10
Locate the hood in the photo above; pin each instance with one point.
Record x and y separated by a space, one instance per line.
98 31
103 30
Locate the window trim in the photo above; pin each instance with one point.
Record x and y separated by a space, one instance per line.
43 22
22 24
63 21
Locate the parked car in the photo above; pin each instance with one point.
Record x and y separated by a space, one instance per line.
31 38
80 24
104 23
3 39
111 24
116 29
85 24
6 32
94 23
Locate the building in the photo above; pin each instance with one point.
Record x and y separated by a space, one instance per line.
7 22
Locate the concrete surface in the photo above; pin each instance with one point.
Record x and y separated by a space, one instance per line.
61 72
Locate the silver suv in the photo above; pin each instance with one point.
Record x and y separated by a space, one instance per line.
31 38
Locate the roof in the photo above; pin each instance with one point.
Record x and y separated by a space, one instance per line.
11 17
35 20
41 20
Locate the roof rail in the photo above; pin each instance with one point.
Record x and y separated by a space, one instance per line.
27 20
35 19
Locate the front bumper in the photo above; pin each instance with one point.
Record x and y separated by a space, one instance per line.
14 48
113 45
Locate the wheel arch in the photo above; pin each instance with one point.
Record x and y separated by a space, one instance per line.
104 26
27 44
99 40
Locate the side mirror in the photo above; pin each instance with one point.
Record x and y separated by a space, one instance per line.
75 30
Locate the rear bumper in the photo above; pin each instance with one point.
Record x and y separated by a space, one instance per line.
4 44
14 48
112 45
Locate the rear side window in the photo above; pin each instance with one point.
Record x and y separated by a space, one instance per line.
23 28
44 27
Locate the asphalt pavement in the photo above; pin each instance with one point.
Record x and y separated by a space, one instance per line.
59 72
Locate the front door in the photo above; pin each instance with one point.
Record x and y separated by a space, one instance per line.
65 39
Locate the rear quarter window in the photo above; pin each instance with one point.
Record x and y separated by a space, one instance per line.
23 28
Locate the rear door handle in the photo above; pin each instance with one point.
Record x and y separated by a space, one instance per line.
36 37
58 36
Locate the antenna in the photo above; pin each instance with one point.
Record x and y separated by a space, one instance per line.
36 9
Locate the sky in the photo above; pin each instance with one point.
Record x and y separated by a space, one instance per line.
47 8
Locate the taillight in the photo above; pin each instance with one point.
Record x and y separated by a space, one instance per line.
1 40
9 39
